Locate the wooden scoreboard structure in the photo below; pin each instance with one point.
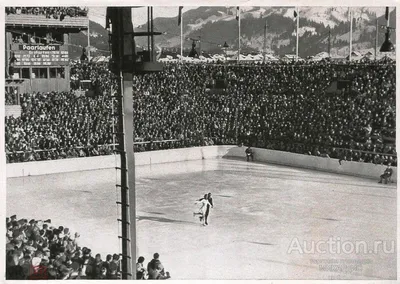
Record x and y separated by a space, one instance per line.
36 52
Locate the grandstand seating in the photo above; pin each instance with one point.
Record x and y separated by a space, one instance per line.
281 106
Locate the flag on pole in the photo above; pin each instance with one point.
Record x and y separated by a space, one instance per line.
180 15
237 13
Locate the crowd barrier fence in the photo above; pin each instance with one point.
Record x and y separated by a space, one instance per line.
365 170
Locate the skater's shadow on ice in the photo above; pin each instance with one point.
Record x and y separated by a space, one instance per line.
156 213
329 219
263 244
161 219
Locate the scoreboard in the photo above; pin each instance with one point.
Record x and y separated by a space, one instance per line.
40 55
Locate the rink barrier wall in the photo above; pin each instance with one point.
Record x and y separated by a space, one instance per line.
112 161
365 170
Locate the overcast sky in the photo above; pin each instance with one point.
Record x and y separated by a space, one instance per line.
139 15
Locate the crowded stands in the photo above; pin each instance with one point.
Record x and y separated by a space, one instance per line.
49 12
280 106
38 250
98 74
57 126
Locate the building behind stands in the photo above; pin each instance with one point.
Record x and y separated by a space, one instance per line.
37 57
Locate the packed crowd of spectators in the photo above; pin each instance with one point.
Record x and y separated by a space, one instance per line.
58 125
100 76
281 106
49 12
38 250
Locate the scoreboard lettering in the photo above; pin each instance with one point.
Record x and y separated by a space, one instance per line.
40 55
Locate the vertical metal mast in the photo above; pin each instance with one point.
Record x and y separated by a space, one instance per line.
124 65
123 53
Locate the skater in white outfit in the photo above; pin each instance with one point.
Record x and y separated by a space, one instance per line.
202 211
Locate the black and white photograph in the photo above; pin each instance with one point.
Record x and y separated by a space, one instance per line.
199 142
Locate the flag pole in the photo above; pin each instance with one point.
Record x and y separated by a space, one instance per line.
181 15
376 37
329 42
297 34
351 33
387 13
265 41
88 37
239 34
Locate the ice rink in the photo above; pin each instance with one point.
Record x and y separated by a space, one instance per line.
265 220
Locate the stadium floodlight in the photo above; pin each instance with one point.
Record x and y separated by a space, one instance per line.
387 45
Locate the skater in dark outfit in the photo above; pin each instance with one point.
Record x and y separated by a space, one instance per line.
209 198
202 211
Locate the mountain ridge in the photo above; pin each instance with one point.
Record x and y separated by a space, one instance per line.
216 25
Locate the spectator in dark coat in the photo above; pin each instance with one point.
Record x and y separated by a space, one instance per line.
249 154
387 174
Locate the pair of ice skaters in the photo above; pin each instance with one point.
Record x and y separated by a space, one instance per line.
205 202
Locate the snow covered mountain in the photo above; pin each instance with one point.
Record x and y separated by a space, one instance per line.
214 26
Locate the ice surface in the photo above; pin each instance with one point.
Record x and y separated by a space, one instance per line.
259 210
